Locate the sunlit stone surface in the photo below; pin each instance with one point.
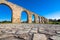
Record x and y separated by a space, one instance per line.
29 31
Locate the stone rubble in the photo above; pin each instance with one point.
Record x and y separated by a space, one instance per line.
29 32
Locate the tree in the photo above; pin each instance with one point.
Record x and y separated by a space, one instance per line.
58 20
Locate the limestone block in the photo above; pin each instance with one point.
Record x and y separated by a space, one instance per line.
34 30
58 31
8 31
25 36
22 31
39 37
55 37
1 1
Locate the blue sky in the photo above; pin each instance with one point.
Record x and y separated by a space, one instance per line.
47 8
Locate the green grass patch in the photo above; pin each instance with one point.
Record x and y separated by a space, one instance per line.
54 23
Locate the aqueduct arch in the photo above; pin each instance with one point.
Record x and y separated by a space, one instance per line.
24 14
33 18
17 10
9 9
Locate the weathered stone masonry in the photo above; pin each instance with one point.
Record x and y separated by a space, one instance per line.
17 10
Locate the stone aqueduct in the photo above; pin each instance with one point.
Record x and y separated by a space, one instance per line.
17 10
